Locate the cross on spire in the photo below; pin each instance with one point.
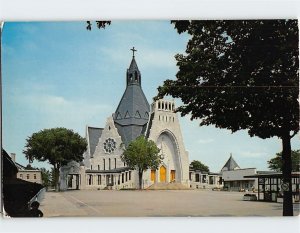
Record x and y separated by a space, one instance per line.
133 50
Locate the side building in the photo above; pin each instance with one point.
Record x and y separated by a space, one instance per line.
30 175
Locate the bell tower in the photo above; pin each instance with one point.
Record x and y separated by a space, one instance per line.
132 114
133 73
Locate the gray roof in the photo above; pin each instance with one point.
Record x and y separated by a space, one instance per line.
93 136
230 164
132 113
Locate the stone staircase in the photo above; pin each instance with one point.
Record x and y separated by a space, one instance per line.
168 186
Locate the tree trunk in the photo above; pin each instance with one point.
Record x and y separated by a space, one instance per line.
140 178
56 178
287 175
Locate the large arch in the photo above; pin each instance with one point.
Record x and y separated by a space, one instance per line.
167 142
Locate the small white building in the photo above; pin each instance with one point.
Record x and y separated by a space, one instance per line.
31 175
234 179
205 180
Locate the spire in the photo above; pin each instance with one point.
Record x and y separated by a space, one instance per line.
132 114
133 73
230 164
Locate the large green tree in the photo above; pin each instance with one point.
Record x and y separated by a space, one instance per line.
141 154
58 146
275 163
242 75
197 165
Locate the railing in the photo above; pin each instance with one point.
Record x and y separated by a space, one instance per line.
38 197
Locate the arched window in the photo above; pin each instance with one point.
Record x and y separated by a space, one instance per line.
159 105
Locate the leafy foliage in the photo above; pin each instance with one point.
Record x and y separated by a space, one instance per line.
46 177
197 165
275 163
58 146
141 154
100 24
239 75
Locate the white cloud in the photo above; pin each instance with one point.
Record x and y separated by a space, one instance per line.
252 154
205 141
56 111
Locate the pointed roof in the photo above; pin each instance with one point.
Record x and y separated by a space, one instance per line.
132 113
230 164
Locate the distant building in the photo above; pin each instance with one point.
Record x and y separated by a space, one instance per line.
204 180
30 175
239 179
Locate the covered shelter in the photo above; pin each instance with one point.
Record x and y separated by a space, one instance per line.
271 187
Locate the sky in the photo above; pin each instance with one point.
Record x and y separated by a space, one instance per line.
58 74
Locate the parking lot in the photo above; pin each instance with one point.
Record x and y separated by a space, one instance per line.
158 203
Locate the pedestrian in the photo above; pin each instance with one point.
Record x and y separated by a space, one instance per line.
34 210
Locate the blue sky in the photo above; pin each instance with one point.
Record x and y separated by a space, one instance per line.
58 74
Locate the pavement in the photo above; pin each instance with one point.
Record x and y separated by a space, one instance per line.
155 203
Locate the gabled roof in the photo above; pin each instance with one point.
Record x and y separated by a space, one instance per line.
93 134
230 164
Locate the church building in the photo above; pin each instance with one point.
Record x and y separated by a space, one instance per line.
102 167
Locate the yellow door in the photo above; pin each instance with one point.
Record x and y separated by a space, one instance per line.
153 175
162 173
172 176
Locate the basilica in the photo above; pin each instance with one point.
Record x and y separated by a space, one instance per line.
102 167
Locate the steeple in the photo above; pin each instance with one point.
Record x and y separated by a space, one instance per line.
230 164
133 73
132 114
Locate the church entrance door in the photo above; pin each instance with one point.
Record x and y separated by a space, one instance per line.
153 175
162 173
172 176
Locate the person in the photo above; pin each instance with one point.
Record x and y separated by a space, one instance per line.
34 210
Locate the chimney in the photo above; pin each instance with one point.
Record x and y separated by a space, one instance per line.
13 157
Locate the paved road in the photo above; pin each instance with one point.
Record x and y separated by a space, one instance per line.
158 203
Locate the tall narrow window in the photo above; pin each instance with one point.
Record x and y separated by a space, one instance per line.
98 167
34 176
21 176
115 163
103 164
109 164
27 176
122 177
129 175
99 179
91 167
126 176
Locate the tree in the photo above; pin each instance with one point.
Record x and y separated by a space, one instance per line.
46 177
242 75
275 163
141 154
58 146
197 165
100 24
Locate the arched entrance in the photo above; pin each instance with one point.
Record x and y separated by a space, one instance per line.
162 173
171 170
